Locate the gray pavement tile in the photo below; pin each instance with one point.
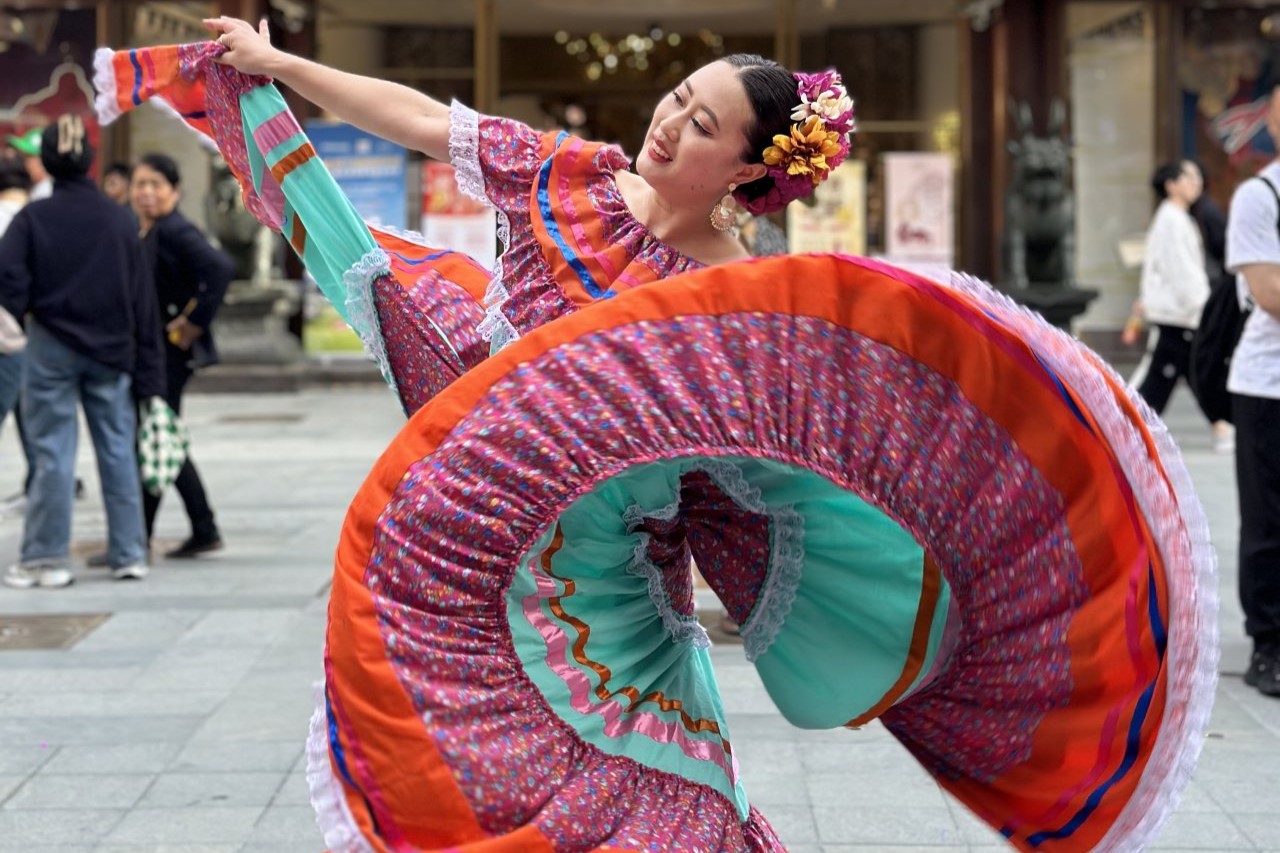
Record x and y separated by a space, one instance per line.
205 790
293 791
1261 829
293 824
165 827
69 679
831 790
767 788
25 759
119 704
61 731
155 629
1252 793
207 668
9 784
24 830
114 758
258 717
896 848
210 756
887 826
169 848
1202 831
241 628
54 791
794 824
280 847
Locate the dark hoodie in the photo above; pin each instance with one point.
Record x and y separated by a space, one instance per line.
74 261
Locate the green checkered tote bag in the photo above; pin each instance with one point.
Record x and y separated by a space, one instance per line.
162 445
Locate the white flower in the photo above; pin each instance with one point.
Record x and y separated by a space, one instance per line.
830 105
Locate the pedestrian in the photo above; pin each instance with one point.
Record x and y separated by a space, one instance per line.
1253 251
15 189
115 183
190 281
1175 287
28 145
73 264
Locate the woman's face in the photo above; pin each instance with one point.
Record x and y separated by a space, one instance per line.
693 148
1189 183
150 193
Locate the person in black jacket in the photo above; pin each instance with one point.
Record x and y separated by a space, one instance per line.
191 279
74 267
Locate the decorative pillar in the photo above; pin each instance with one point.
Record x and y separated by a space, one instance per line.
486 56
786 39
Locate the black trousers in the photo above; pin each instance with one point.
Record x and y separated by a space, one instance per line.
1258 482
190 488
1167 359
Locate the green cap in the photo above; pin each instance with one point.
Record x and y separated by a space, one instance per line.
28 143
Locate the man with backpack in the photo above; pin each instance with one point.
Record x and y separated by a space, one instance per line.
1253 251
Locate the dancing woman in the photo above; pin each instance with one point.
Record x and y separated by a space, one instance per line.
922 504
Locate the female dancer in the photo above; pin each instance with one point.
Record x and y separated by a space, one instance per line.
921 504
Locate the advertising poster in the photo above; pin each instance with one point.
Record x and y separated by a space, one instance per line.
837 219
452 220
919 207
370 170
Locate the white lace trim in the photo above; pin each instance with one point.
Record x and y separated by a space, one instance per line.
681 628
1179 524
464 154
104 81
786 557
361 314
341 833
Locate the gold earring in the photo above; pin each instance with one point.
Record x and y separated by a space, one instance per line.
723 216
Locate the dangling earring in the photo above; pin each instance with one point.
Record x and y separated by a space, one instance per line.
723 217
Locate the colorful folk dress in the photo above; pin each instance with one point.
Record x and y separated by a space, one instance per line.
923 505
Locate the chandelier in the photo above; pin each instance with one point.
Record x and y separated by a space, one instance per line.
636 52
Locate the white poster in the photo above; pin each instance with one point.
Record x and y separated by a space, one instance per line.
451 220
919 207
837 219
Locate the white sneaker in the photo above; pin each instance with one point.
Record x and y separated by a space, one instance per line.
56 577
134 571
52 577
1224 437
19 578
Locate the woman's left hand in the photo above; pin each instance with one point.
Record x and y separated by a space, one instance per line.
182 333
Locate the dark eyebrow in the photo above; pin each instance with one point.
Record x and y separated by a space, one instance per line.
705 109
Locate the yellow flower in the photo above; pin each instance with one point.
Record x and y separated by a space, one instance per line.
805 150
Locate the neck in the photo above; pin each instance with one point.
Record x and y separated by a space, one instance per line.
13 194
1178 203
670 224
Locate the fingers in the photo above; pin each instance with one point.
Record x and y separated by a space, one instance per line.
264 30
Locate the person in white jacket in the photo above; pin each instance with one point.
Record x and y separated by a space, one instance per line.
1175 283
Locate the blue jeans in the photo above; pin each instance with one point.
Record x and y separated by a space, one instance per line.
10 389
56 377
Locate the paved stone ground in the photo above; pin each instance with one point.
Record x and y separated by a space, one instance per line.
177 725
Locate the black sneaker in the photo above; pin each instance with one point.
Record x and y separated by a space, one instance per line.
1264 672
194 546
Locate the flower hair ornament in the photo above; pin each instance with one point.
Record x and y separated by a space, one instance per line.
817 142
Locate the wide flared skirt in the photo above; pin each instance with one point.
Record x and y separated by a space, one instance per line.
922 504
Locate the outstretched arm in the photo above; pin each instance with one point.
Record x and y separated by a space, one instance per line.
402 115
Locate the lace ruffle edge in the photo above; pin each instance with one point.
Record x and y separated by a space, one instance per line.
357 282
1180 527
104 83
341 835
464 154
681 628
786 557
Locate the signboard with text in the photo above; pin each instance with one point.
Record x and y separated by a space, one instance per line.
369 169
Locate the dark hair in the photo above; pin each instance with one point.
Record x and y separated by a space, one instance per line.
124 170
164 164
64 147
1164 174
771 89
13 173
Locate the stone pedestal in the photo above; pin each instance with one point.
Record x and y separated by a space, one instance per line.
252 325
1057 303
